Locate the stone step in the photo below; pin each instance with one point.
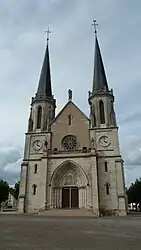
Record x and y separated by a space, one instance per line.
67 212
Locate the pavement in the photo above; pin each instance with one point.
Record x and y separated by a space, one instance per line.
35 232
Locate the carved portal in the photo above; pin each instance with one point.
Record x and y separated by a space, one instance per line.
69 178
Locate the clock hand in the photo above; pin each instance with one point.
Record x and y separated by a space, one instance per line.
105 140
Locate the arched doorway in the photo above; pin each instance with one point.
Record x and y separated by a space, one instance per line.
70 193
69 184
70 197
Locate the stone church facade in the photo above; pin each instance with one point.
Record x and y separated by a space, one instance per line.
71 160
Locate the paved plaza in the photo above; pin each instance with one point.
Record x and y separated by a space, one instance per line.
39 232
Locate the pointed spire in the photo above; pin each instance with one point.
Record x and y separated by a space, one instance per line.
99 78
44 87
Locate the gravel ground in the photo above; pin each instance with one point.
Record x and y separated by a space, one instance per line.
21 232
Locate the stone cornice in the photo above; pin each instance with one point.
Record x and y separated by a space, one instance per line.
119 160
37 159
110 128
24 163
106 149
38 133
111 156
61 156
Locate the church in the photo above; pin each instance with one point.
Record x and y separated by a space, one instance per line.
71 160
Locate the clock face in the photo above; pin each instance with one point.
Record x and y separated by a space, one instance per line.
37 145
104 141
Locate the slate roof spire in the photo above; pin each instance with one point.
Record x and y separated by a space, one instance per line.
99 77
44 86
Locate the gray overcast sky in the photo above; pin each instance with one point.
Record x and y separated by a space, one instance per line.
22 47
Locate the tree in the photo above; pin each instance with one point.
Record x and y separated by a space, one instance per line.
15 191
16 187
4 191
134 193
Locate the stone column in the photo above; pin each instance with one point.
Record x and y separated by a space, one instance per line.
60 197
29 190
22 192
95 200
34 118
81 196
42 118
47 184
54 198
121 194
57 197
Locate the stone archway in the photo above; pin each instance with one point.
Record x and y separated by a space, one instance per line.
69 184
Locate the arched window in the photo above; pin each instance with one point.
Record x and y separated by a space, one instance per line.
106 166
35 169
101 110
39 117
34 189
107 188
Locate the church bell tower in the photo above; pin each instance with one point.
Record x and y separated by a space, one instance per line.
104 133
37 141
101 99
43 104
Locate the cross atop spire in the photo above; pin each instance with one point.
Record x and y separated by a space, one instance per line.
48 32
95 25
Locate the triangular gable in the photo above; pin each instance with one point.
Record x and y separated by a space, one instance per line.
64 109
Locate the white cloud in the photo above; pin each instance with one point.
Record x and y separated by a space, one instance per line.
22 47
9 155
56 1
13 168
132 149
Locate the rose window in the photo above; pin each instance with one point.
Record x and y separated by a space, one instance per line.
69 142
